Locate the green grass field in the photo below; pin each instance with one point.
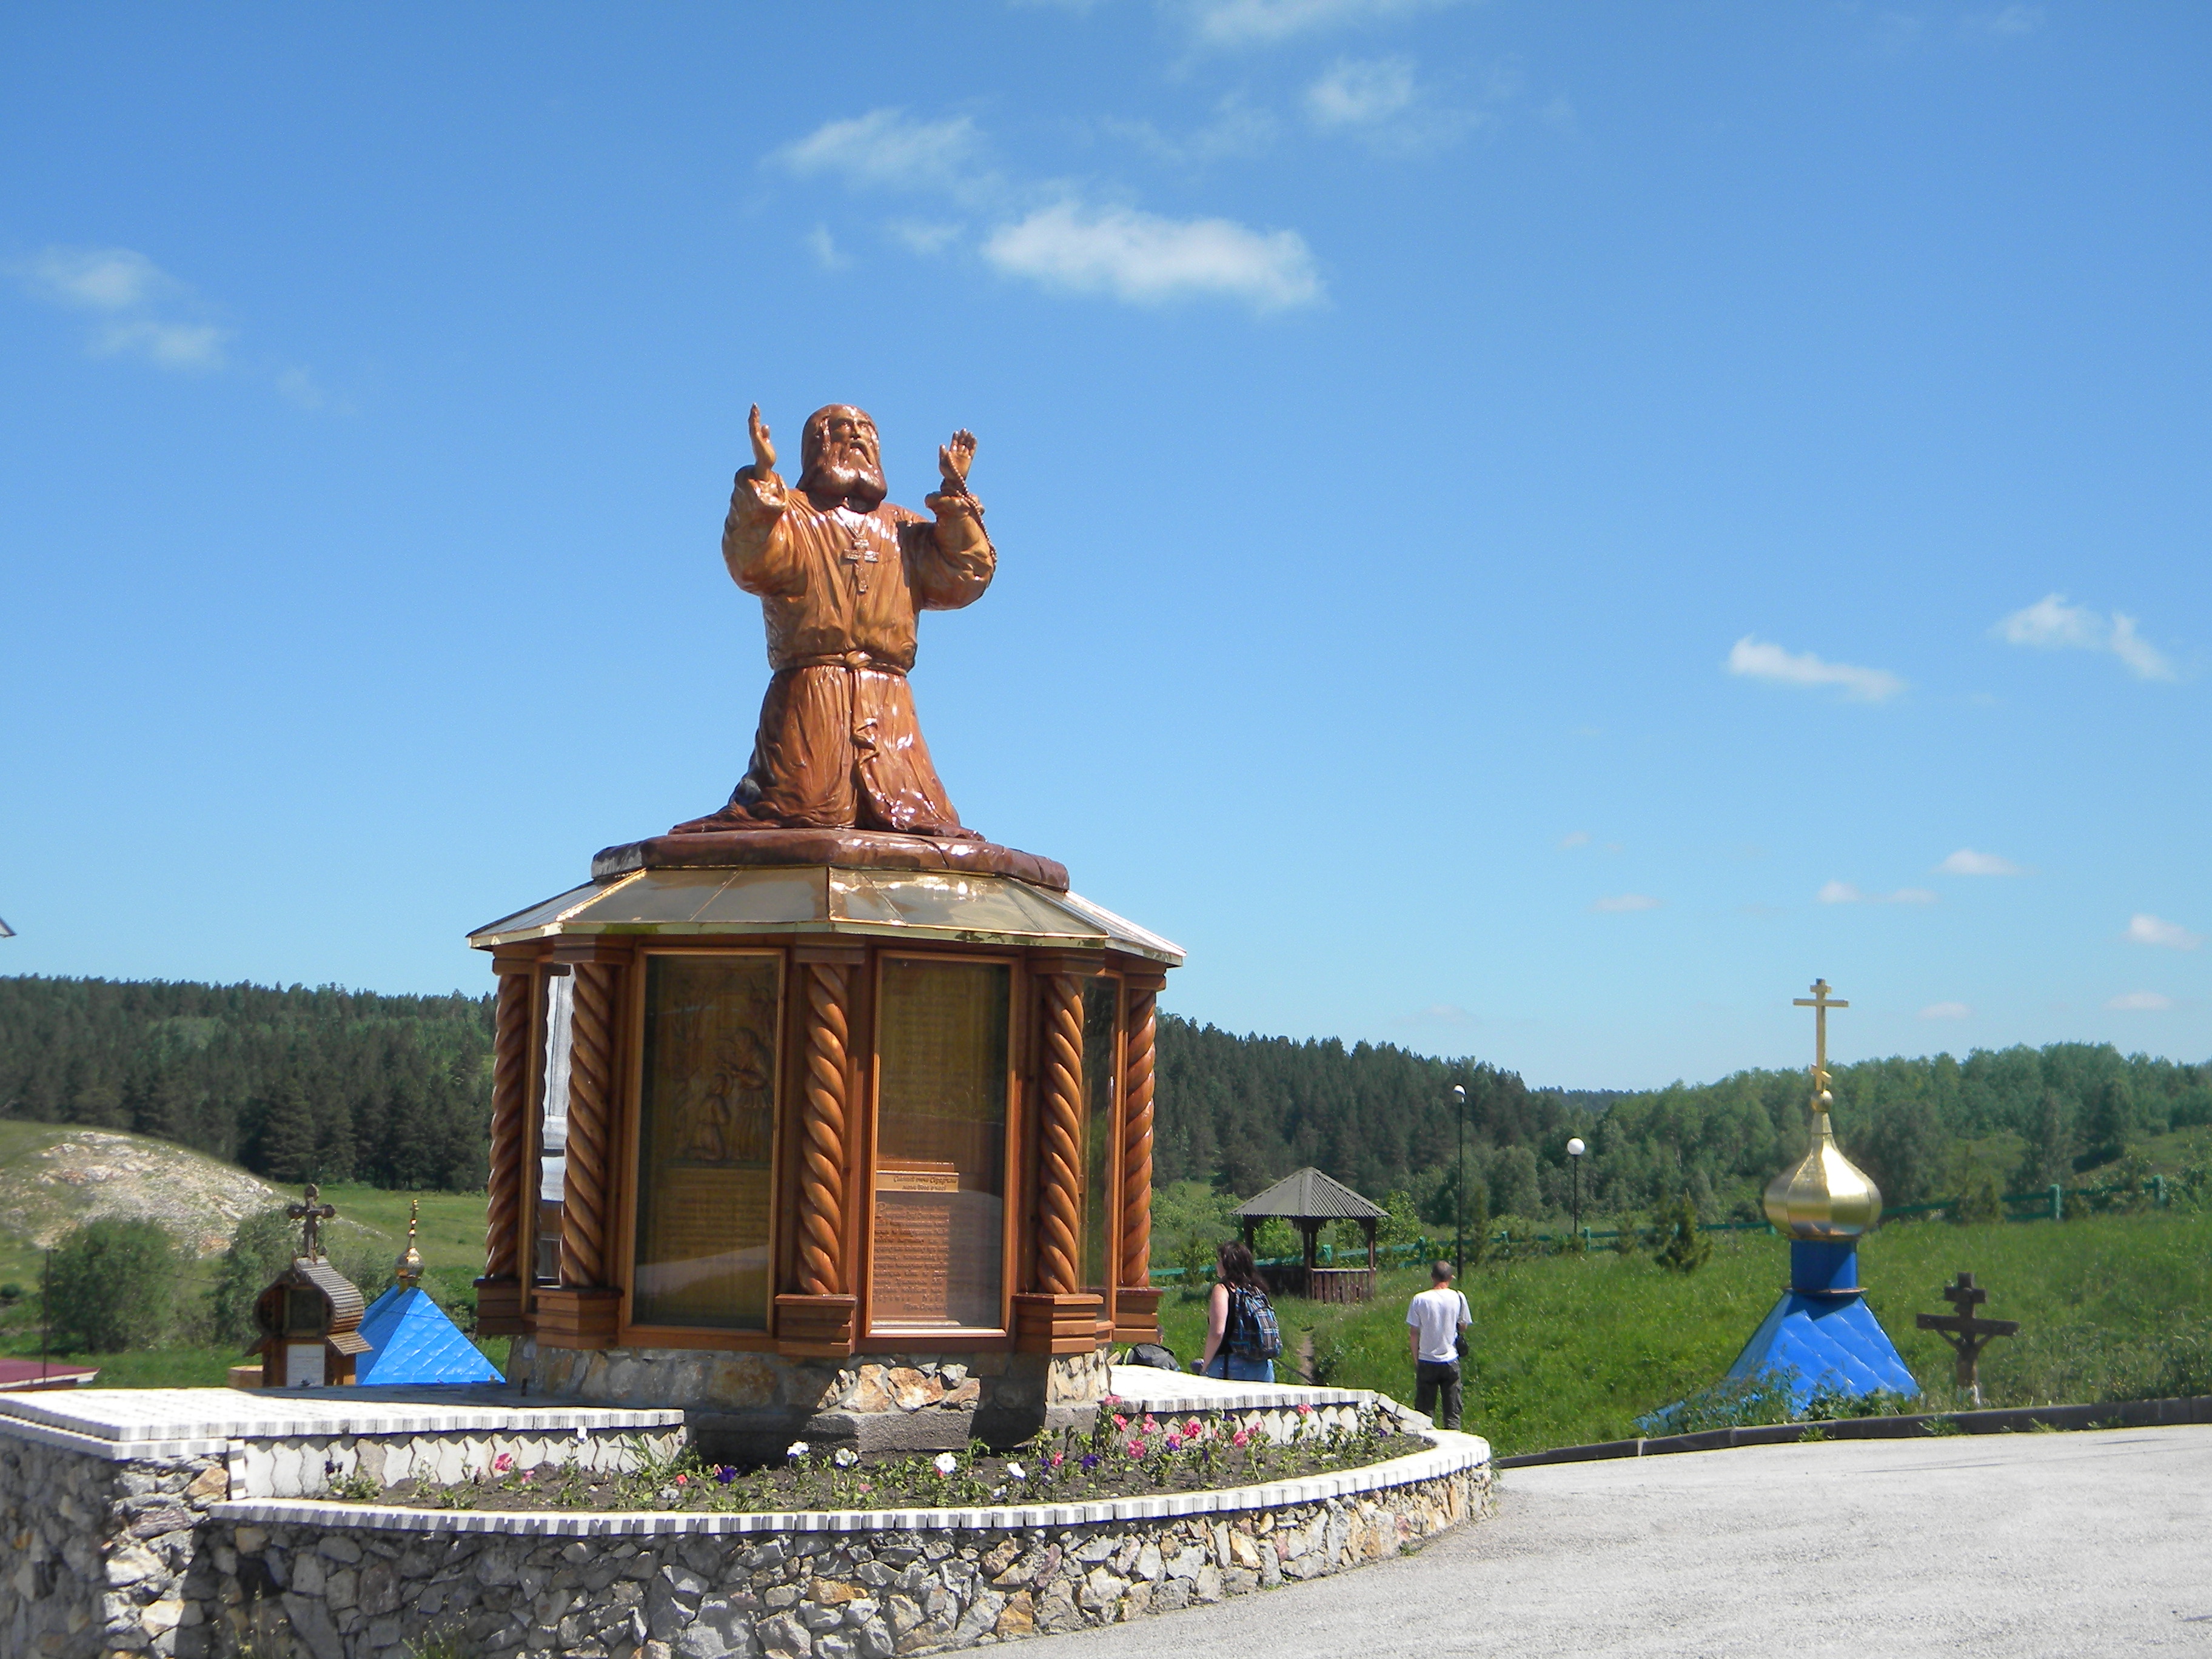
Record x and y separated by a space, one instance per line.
1572 1349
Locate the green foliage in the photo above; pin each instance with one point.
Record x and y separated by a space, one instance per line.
262 1248
1979 1203
1682 1246
296 1085
1730 1403
1195 1258
114 1286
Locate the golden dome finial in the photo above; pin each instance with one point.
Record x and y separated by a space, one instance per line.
410 1273
1825 1195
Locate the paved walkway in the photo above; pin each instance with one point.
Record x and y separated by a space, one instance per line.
2001 1545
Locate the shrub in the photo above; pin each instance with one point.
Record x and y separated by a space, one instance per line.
262 1248
1682 1247
114 1286
1980 1202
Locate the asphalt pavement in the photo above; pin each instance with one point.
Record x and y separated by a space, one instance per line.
2084 1544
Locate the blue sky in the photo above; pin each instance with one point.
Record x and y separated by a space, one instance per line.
1528 531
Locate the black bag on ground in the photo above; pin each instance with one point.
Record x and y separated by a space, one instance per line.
1152 1354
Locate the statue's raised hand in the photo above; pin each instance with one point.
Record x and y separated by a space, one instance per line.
761 473
952 461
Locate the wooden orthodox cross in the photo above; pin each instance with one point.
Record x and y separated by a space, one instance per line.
1820 1002
311 1216
1966 1335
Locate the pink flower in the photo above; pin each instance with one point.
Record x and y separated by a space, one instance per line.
1136 1448
1304 1410
683 1480
503 1463
1057 1459
1120 1421
1194 1429
1109 1398
526 1476
1241 1438
1174 1442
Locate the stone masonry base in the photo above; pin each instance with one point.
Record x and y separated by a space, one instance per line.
747 1407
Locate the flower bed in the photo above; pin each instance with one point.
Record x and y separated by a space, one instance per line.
1129 1453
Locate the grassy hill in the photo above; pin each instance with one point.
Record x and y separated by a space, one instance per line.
56 1176
1572 1349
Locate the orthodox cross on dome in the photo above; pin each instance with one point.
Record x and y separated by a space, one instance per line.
311 1216
1966 1335
1820 1002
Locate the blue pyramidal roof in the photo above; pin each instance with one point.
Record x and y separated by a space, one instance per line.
1821 1341
413 1342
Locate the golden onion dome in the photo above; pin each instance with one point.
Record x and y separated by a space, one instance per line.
409 1268
1824 1195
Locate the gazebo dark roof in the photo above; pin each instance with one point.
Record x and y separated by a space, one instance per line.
1308 1195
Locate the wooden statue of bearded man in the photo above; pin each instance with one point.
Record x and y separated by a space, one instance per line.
842 576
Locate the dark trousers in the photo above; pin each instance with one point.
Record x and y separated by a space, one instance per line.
1430 1378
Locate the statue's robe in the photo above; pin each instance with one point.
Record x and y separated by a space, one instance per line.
839 746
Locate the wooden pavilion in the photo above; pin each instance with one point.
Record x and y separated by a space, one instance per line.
1309 1200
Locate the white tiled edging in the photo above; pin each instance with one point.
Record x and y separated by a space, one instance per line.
346 1582
1451 1453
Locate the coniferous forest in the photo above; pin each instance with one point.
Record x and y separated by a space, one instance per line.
332 1084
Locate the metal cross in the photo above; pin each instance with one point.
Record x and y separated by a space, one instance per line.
1820 1002
1966 1335
311 1215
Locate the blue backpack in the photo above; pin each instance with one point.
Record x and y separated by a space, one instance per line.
1253 1332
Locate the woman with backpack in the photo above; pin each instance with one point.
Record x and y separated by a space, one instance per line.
1241 1336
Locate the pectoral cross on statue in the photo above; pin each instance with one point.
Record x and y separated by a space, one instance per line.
1966 1335
859 555
311 1216
1820 1002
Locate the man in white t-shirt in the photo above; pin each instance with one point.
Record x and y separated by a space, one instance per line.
1434 1320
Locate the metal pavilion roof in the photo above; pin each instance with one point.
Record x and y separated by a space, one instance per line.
1308 1195
961 908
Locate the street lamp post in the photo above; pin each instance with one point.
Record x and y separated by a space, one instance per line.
1459 1227
1575 1151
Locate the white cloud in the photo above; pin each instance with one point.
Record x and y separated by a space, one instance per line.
924 236
94 278
130 291
1842 892
1759 661
1967 862
1237 131
1361 94
1575 838
2053 625
1947 1010
2149 930
1145 258
2006 20
1626 903
883 148
2145 1002
823 246
166 345
1269 22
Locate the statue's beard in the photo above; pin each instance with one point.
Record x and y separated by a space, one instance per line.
841 480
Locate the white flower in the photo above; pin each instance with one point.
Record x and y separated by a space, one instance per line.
944 1463
1015 1472
796 1448
846 1457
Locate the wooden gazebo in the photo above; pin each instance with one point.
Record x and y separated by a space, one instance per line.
1309 1200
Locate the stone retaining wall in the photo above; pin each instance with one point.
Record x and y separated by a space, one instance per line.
746 1408
318 1590
100 1552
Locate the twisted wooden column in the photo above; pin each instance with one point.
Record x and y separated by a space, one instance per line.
1060 1141
822 1167
510 1107
1141 1034
585 1195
